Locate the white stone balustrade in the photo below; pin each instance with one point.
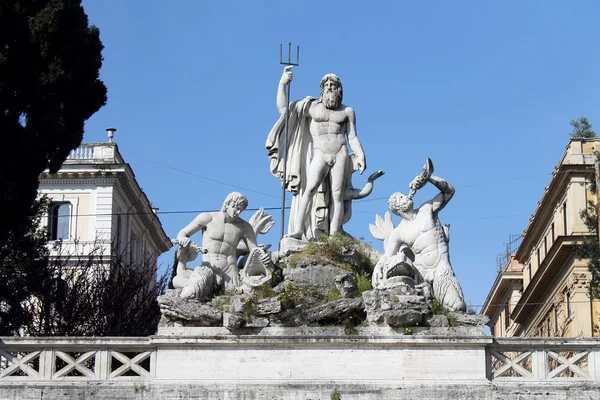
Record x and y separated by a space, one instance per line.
60 359
506 359
299 363
543 359
103 152
83 152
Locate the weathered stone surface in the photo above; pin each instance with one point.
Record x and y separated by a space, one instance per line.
437 321
190 311
310 272
257 322
310 390
346 285
342 311
238 303
232 321
391 307
464 319
402 317
289 245
268 306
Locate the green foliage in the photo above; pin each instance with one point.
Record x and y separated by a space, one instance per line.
452 320
363 282
79 294
350 329
23 269
249 309
139 386
340 250
222 303
589 248
581 128
289 296
335 394
263 292
50 58
333 295
437 308
293 295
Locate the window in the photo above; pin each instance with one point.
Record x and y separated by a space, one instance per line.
529 271
555 321
564 210
119 230
59 221
538 258
568 305
506 316
548 326
134 249
552 231
545 246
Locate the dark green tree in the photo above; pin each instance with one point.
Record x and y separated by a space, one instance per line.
50 59
90 294
84 293
589 249
582 128
24 264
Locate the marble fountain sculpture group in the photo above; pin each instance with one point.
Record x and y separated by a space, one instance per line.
323 152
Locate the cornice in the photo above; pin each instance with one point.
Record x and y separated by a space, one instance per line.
142 207
555 190
560 252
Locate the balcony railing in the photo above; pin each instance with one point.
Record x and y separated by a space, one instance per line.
95 152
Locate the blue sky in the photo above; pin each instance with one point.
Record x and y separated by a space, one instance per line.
485 89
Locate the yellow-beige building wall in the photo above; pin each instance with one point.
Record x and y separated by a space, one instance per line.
544 288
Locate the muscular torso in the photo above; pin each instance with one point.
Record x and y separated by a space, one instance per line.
426 238
220 239
328 127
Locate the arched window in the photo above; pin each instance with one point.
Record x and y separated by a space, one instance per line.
60 218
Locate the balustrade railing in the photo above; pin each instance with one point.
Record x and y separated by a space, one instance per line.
94 152
77 359
83 152
548 359
68 359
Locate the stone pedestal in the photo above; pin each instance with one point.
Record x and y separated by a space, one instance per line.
284 356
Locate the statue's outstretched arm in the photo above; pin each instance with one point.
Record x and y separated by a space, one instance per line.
446 193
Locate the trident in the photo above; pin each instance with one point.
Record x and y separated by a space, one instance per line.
287 117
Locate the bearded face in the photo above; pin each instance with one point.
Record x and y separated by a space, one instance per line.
331 91
400 203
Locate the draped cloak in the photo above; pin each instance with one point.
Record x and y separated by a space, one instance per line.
299 155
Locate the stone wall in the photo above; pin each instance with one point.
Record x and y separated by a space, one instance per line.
299 363
181 391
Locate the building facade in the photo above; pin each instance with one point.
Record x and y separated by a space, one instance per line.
544 288
97 204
